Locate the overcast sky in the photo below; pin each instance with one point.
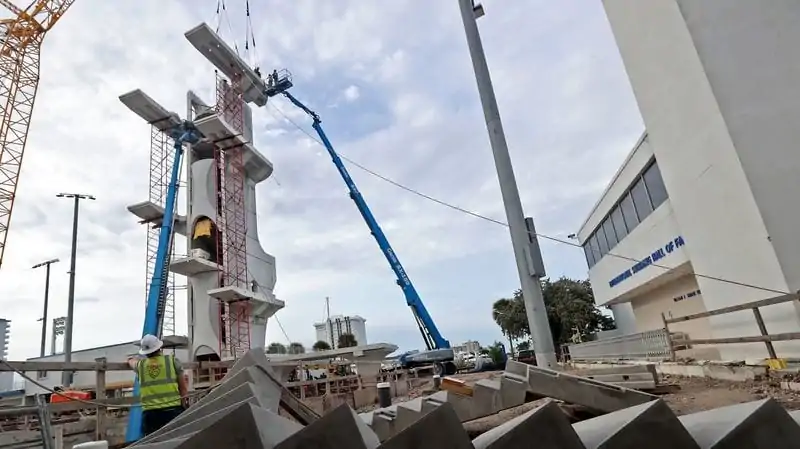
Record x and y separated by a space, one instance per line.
394 85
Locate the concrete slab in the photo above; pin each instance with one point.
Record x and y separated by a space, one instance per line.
795 416
439 429
169 444
246 426
546 425
340 428
599 396
751 425
460 403
201 422
652 425
383 422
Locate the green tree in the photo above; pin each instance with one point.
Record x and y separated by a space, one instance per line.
523 346
321 345
570 306
347 341
509 314
276 348
296 348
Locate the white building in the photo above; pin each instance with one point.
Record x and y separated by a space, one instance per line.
330 330
7 377
471 346
709 191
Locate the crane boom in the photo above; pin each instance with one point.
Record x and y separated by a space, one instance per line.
20 45
430 333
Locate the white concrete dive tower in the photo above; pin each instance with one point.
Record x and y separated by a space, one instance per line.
230 276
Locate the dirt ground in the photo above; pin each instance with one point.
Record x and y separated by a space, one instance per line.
693 395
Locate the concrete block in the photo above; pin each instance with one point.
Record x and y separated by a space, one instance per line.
750 425
461 404
252 374
621 378
795 416
365 396
545 427
341 428
246 426
512 390
652 425
169 444
620 369
408 413
439 429
383 422
599 396
486 399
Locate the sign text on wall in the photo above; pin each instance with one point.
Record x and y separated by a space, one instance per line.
657 255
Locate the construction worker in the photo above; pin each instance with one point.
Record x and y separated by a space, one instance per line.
162 387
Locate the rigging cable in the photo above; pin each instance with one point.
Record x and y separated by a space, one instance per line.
502 223
250 37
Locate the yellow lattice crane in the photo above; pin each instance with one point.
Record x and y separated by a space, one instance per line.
21 39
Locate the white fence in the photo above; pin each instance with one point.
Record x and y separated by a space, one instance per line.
650 345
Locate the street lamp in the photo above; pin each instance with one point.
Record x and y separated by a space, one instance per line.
43 319
66 378
523 234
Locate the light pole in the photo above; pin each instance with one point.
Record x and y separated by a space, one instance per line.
66 377
523 237
46 264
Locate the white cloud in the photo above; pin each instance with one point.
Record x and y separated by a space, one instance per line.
564 98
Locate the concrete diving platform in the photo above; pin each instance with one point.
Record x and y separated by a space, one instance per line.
210 45
215 128
192 266
152 213
261 304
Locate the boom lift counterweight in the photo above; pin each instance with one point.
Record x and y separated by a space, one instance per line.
438 348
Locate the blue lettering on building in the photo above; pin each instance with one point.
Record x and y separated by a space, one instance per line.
656 255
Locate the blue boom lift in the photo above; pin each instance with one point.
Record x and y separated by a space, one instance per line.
182 134
438 351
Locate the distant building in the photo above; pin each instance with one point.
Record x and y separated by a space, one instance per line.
468 346
7 377
330 330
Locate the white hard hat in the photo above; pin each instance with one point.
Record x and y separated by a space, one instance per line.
150 344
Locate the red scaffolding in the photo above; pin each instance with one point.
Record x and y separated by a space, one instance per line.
232 223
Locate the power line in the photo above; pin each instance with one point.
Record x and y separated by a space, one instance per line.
501 223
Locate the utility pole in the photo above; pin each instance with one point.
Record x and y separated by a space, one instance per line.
46 298
66 376
523 237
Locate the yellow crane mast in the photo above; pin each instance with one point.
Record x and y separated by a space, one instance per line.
21 39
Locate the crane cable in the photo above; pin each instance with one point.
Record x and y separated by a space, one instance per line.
222 12
250 37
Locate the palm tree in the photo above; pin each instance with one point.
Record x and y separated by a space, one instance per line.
296 348
347 341
321 345
276 348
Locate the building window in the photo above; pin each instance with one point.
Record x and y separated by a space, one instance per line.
641 200
628 212
595 249
587 250
655 185
619 223
602 243
611 236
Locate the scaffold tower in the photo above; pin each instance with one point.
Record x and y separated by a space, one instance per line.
232 222
162 156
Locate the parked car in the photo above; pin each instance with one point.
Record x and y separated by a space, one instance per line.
527 356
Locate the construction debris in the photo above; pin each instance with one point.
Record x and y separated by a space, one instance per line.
244 412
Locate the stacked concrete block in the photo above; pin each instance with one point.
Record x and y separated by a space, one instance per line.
241 413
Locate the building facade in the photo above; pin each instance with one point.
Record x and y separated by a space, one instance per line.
6 378
700 216
330 330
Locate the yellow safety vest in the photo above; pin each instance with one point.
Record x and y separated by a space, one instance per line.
158 383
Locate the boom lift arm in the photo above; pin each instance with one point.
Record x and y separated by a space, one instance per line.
182 134
430 333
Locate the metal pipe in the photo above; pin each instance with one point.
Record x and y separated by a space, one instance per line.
529 282
66 376
46 300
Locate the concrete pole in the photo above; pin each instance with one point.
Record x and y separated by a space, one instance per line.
66 376
531 287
